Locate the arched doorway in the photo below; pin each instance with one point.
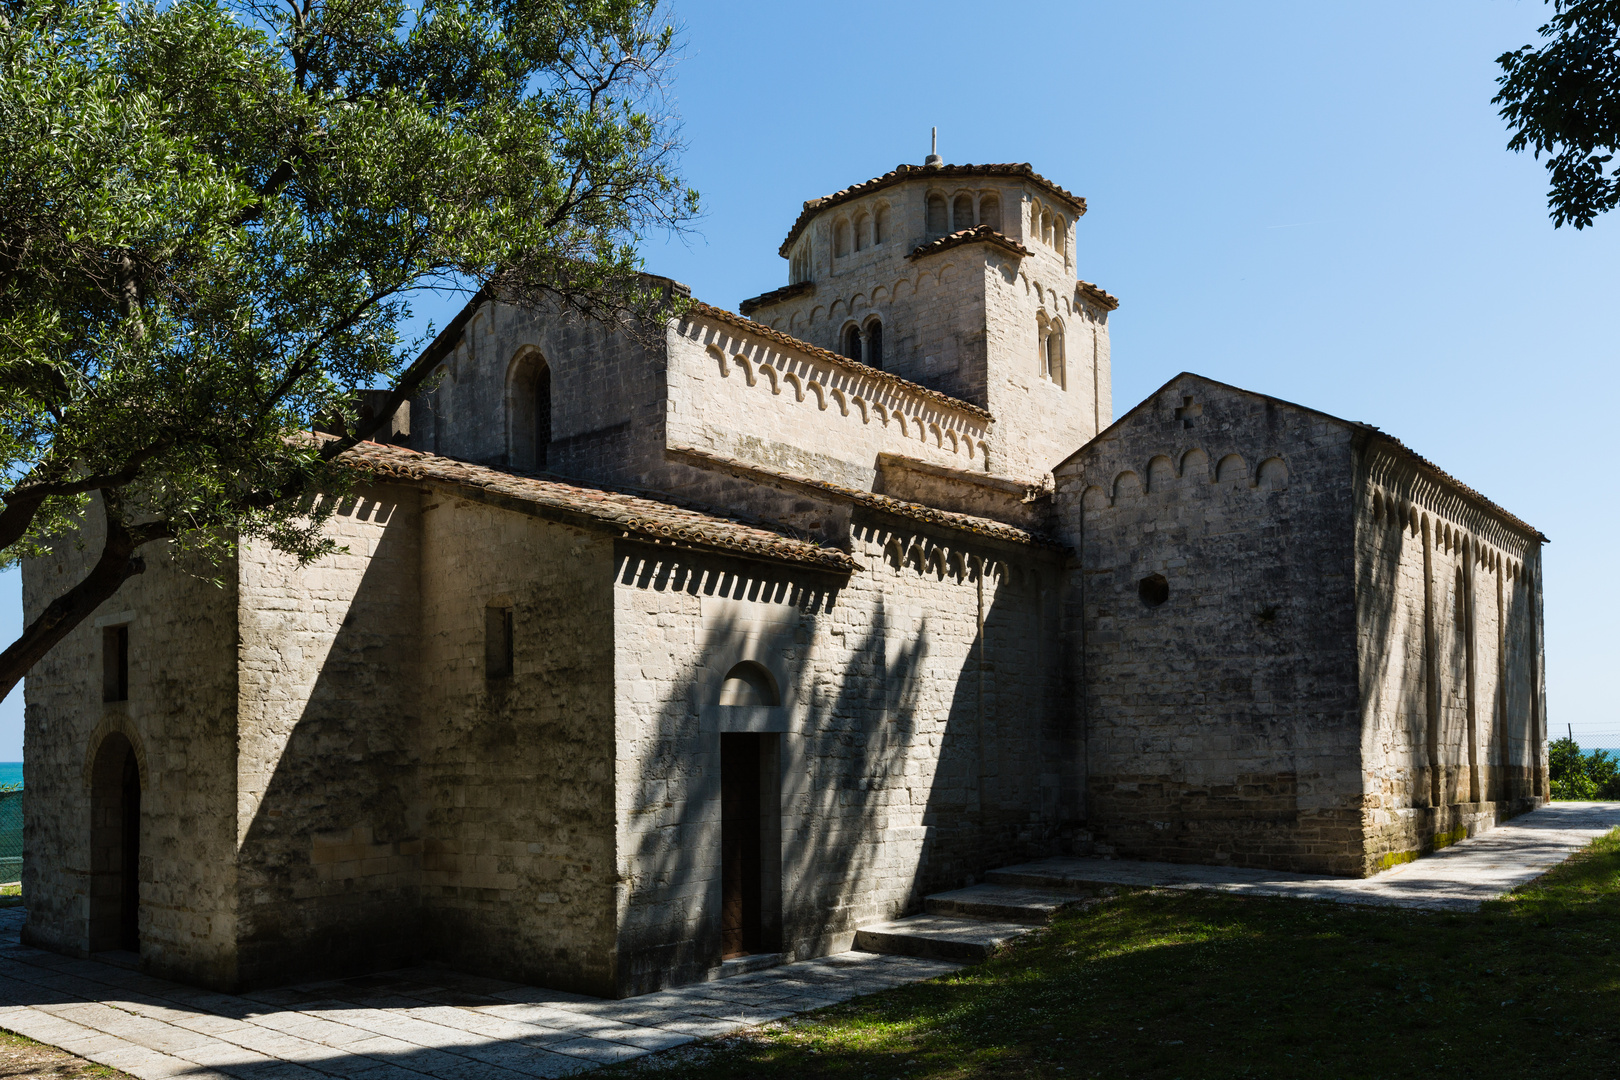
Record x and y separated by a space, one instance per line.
750 820
115 846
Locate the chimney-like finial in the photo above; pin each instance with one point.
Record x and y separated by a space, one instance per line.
934 160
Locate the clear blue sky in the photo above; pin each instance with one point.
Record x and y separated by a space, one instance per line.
1313 200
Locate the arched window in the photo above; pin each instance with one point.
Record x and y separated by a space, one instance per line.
841 239
990 211
1060 234
874 343
862 234
852 342
880 225
528 411
962 213
936 214
1054 353
801 264
1046 226
749 683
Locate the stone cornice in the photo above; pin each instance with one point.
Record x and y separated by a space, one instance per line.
903 173
698 309
949 519
1389 464
982 234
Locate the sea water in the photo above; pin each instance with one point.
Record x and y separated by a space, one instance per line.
10 773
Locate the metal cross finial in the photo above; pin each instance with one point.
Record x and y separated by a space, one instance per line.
934 160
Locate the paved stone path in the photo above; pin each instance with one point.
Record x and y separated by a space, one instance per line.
1456 878
403 1025
432 1022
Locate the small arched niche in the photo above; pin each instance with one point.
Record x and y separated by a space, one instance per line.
749 683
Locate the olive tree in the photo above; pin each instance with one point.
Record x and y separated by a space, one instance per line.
1563 100
214 215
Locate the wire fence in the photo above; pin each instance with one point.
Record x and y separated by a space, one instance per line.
11 840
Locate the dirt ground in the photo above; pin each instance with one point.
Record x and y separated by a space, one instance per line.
24 1057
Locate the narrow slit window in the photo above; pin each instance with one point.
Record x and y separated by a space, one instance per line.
497 642
115 663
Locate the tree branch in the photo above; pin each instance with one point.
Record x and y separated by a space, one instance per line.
118 562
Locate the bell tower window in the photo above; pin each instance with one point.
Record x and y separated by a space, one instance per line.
852 342
990 212
936 214
874 343
962 212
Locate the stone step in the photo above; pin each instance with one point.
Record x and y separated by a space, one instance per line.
1058 874
747 965
1002 903
938 937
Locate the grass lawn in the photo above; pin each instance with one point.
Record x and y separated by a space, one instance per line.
1167 984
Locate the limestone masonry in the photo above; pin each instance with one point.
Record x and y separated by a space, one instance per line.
652 650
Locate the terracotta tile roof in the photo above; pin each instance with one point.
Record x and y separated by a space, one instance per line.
633 516
775 296
1097 296
697 307
903 173
982 234
949 519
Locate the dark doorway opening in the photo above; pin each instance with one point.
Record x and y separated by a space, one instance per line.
740 869
115 847
750 844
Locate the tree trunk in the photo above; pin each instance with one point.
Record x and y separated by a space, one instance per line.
118 562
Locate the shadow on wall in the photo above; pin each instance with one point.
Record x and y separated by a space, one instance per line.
831 747
899 770
1428 706
328 865
996 798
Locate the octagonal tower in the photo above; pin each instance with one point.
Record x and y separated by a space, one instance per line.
961 278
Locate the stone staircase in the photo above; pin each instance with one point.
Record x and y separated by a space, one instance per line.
967 925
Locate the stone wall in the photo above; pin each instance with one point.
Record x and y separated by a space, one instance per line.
1214 614
329 822
1040 420
517 774
181 718
1454 735
734 393
918 739
607 395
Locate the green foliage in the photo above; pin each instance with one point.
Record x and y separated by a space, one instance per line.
1169 984
214 213
1582 776
1564 100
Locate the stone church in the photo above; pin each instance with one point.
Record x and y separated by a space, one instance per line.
647 651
